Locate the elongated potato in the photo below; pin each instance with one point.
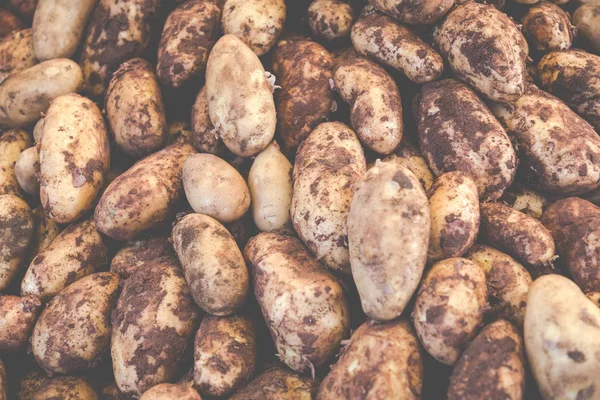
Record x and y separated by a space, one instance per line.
381 361
457 132
449 308
9 23
278 383
65 387
12 144
587 20
171 391
139 253
27 169
485 49
144 195
74 157
562 338
414 12
78 251
548 27
382 39
303 304
204 137
16 232
240 98
491 367
16 53
411 158
328 164
525 200
330 20
17 318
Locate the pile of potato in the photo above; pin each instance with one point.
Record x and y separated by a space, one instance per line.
295 199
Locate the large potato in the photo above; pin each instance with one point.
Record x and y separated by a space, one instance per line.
144 195
240 98
16 53
328 164
9 23
204 136
562 338
380 361
303 304
587 20
410 157
16 232
548 27
17 318
457 132
278 383
139 253
330 20
27 169
414 12
65 388
12 144
171 391
525 200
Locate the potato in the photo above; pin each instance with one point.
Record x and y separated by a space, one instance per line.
144 195
16 53
179 131
213 264
240 98
9 23
586 18
12 144
78 251
26 8
414 12
16 223
384 40
204 137
170 391
388 233
24 96
548 28
74 157
375 104
381 361
573 77
449 308
525 200
139 253
304 71
154 319
73 332
44 232
224 354
330 20
328 164
508 283
410 157
66 388
17 318
562 338
558 149
3 382
29 384
278 383
215 188
188 36
485 49
58 27
302 303
27 169
457 132
594 297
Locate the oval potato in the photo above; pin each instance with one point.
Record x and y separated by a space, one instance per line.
410 157
16 53
12 144
139 253
548 27
27 169
17 318
171 391
330 20
278 383
16 223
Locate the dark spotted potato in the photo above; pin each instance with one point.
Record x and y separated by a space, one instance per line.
278 383
16 53
16 235
414 12
139 253
548 27
17 318
409 156
330 20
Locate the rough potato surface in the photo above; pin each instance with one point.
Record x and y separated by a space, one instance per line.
278 383
12 144
548 27
17 318
65 388
16 53
139 253
16 232
330 20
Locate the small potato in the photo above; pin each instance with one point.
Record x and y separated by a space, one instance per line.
548 27
26 8
457 132
213 187
380 361
29 384
16 53
9 23
304 71
388 233
485 49
78 251
188 36
66 388
384 40
171 391
73 332
58 27
240 98
414 12
525 200
587 20
27 169
17 318
562 338
278 383
12 144
491 367
410 157
328 164
449 308
16 232
303 304
330 20
144 195
74 157
204 137
139 253
135 109
224 341
24 96
375 104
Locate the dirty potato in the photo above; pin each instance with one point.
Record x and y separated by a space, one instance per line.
410 157
204 136
44 232
414 12
27 169
17 318
525 200
12 144
278 383
330 20
16 53
65 388
16 232
171 391
9 23
29 384
548 27
587 20
139 253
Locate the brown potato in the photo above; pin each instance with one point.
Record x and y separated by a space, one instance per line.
9 23
204 137
45 231
17 318
525 200
410 157
12 144
16 53
139 253
414 12
548 27
587 20
29 384
27 169
16 232
330 20
65 388
278 383
171 391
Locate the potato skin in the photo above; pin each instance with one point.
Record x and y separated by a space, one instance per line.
16 231
548 27
30 383
562 331
154 183
17 318
457 132
586 19
135 109
171 391
414 12
139 253
27 169
525 200
278 383
9 23
65 388
449 308
45 231
381 361
485 49
12 144
410 157
16 53
330 20
204 137
328 163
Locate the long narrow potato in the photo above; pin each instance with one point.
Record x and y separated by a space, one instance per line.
410 157
414 12
278 383
16 53
17 318
16 223
548 27
27 169
330 20
12 144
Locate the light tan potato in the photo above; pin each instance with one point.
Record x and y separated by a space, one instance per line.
224 341
302 303
16 53
587 20
135 109
384 40
29 384
188 36
58 27
380 361
240 98
78 251
17 318
548 27
330 20
16 232
171 391
278 383
204 137
414 12
449 308
270 184
328 164
485 49
213 187
144 195
525 200
65 388
26 8
12 144
9 23
410 157
562 338
388 233
139 253
74 157
44 232
37 131
27 169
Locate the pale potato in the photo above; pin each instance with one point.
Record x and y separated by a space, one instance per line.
27 169
330 20
12 144
16 53
16 233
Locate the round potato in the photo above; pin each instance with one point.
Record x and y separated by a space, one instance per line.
171 391
27 169
410 157
587 20
16 232
139 253
65 388
330 20
548 27
9 23
204 137
12 144
17 318
16 53
525 200
278 383
414 12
